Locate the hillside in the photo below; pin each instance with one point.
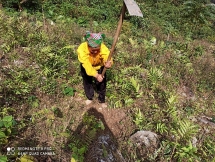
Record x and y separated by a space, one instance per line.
162 82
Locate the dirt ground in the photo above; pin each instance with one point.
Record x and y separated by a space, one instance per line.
54 122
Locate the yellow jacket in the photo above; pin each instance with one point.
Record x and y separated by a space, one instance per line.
92 63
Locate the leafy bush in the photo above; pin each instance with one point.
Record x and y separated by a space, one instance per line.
156 56
6 125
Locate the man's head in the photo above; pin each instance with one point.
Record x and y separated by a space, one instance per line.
94 40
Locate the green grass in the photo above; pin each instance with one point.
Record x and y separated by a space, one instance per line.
162 74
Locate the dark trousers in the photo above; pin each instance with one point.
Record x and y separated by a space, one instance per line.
89 88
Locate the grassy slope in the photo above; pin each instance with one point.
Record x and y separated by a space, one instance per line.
171 82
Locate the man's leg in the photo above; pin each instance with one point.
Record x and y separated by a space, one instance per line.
101 87
88 84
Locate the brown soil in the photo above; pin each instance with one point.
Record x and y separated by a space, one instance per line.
56 120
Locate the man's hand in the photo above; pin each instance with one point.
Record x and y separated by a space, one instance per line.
99 77
108 64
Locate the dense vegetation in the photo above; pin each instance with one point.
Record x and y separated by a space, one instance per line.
163 76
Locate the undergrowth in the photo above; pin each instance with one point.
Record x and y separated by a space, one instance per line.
163 73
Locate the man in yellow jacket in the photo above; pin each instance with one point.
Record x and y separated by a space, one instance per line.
93 55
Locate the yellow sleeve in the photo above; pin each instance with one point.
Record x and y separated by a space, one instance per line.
105 53
83 57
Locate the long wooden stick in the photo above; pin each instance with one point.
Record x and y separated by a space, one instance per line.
116 35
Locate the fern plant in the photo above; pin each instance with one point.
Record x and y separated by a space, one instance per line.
188 153
139 119
171 107
136 86
154 75
184 130
161 128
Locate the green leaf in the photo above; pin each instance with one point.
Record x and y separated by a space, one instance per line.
64 134
2 135
95 23
74 149
82 150
27 158
50 12
8 121
68 91
3 158
68 47
73 160
1 124
75 157
7 118
101 125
